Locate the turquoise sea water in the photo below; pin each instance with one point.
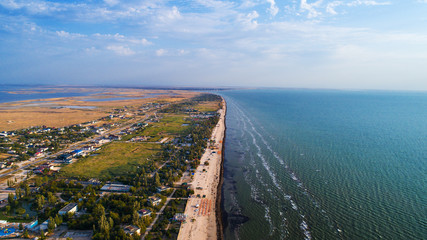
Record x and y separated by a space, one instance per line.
303 164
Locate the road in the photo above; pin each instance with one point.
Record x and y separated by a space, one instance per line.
76 144
158 214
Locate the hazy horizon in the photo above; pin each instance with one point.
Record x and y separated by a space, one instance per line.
326 44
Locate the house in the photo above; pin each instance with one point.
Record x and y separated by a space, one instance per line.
38 154
111 187
40 169
114 137
154 200
70 208
32 224
77 152
44 225
131 229
144 213
162 189
65 156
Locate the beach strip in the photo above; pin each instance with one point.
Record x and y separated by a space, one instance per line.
201 208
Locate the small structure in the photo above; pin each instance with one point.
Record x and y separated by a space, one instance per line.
79 234
162 188
131 229
144 213
180 217
154 200
44 225
32 224
111 187
70 208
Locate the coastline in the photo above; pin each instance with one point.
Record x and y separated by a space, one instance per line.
204 220
218 206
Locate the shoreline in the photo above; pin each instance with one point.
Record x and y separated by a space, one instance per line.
203 211
218 206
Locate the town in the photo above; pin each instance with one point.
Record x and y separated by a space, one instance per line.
122 176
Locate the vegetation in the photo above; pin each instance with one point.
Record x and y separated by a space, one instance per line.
115 159
145 166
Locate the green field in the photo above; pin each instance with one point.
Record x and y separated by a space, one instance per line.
168 126
207 106
115 159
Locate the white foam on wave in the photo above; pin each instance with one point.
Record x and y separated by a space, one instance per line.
304 228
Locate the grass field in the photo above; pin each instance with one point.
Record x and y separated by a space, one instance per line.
207 106
115 159
169 125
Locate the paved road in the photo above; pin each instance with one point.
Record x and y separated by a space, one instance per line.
158 214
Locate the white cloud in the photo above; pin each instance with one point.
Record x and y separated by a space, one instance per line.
161 52
112 2
168 15
273 10
311 8
248 21
330 7
121 38
367 3
121 50
64 34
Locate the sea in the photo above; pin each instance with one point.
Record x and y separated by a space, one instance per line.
12 93
325 164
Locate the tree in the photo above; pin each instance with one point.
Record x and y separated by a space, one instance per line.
51 198
135 217
26 235
11 200
42 235
104 227
98 211
58 220
39 202
157 180
26 189
51 224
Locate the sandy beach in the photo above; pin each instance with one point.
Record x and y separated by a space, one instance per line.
201 207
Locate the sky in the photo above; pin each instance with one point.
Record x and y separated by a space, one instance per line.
339 44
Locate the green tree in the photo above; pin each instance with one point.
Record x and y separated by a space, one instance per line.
58 220
157 180
51 198
26 235
51 225
40 202
26 189
11 200
42 235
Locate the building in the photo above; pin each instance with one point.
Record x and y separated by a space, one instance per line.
162 188
111 187
144 213
70 208
44 225
131 229
154 200
32 224
180 217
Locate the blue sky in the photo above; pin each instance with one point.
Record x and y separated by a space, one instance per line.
344 44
